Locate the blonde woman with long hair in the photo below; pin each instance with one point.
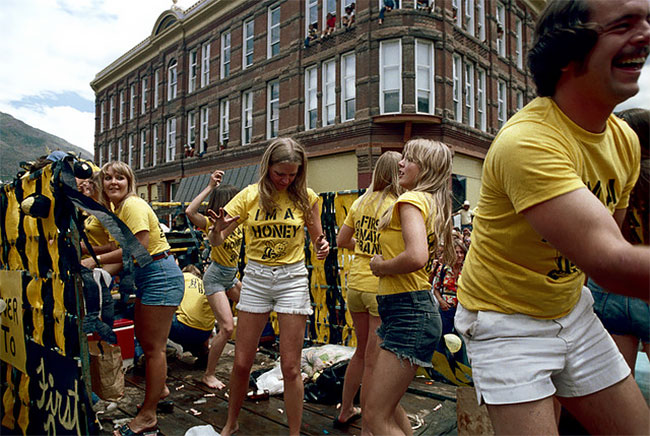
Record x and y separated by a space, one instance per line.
359 233
274 212
409 233
159 287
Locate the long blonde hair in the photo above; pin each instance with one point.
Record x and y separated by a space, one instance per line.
434 161
285 150
121 168
385 179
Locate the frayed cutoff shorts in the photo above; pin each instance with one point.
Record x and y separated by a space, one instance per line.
282 288
219 278
516 358
160 283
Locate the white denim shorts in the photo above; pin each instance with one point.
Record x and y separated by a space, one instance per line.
516 358
282 288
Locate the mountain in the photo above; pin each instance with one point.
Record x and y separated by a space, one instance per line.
20 142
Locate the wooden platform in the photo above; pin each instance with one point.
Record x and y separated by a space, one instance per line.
431 405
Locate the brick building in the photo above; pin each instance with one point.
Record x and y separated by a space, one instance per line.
214 83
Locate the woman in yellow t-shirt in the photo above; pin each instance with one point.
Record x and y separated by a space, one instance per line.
274 212
409 233
220 278
159 285
359 233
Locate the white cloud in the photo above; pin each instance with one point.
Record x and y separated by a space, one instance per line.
55 46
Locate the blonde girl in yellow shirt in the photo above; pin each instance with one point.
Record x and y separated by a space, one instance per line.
359 233
220 278
274 211
409 233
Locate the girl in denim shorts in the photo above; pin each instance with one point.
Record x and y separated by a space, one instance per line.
274 212
409 233
359 233
159 286
220 279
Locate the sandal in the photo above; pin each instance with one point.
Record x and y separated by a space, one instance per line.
125 430
164 406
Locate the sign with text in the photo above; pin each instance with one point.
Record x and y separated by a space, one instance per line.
12 335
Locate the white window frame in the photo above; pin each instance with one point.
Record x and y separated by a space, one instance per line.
225 54
191 130
247 117
109 157
425 70
154 145
311 97
172 80
131 146
481 102
122 107
398 4
102 115
100 152
480 19
502 103
273 42
156 89
329 6
132 101
519 46
170 144
224 121
246 38
456 4
311 15
470 99
384 68
520 100
193 71
273 109
468 17
205 65
143 146
144 83
119 149
204 114
501 21
329 92
348 85
346 3
111 113
457 88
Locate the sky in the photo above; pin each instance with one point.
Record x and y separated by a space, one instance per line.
52 49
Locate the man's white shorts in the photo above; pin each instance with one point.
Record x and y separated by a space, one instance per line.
516 358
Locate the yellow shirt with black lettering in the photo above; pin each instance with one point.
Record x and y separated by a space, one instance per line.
275 238
226 254
538 155
362 218
392 244
138 216
194 310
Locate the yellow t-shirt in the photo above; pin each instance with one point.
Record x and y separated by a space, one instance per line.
275 238
392 244
363 219
138 216
194 310
226 254
538 155
97 234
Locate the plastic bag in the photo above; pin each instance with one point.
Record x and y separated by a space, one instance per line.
106 374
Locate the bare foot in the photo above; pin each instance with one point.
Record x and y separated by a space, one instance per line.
165 393
349 415
228 431
212 382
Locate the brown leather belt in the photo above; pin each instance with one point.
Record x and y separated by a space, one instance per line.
161 255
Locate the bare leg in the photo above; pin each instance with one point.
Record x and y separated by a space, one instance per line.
370 359
292 336
355 369
152 324
595 412
535 417
221 308
628 345
390 379
233 293
245 348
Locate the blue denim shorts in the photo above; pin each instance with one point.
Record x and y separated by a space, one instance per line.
160 283
621 315
219 278
410 325
190 338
